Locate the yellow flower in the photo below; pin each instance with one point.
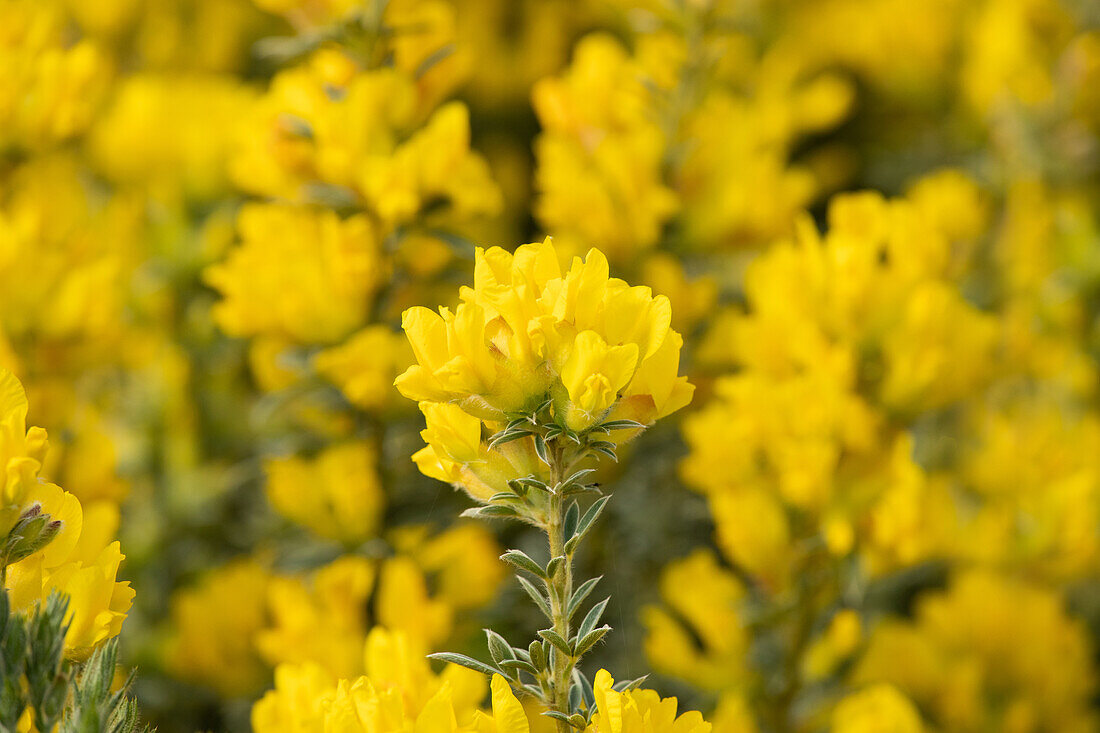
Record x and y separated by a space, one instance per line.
991 652
321 619
336 495
710 653
839 641
299 273
54 82
593 375
41 528
877 709
600 153
527 332
365 366
326 127
463 562
398 693
214 624
639 711
171 133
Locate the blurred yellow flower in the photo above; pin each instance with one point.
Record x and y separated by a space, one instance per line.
214 625
336 495
301 273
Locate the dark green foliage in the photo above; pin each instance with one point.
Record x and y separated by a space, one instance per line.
34 674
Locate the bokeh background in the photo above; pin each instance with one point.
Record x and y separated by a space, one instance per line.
877 222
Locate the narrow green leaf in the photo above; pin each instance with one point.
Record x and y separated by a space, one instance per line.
574 697
592 618
622 425
580 594
609 452
540 600
533 483
590 639
519 664
540 450
499 511
554 565
627 685
572 516
507 437
556 639
463 661
579 476
499 648
589 695
520 559
592 515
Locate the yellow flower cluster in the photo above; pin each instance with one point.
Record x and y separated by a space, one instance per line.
528 332
46 545
343 500
991 652
821 457
631 142
808 434
240 620
400 693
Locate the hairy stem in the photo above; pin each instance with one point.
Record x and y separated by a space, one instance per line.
561 588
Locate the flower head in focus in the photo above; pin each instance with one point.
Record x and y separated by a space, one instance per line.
585 349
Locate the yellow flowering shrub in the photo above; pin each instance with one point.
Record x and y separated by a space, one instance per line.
809 327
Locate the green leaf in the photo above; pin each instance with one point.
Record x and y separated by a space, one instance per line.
627 685
590 639
507 436
554 565
499 648
579 476
493 511
572 516
622 425
519 559
604 450
540 450
519 664
463 661
580 594
557 640
533 483
587 692
540 600
517 423
592 515
537 652
504 496
592 618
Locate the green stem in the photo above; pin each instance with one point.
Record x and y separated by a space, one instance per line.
561 589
